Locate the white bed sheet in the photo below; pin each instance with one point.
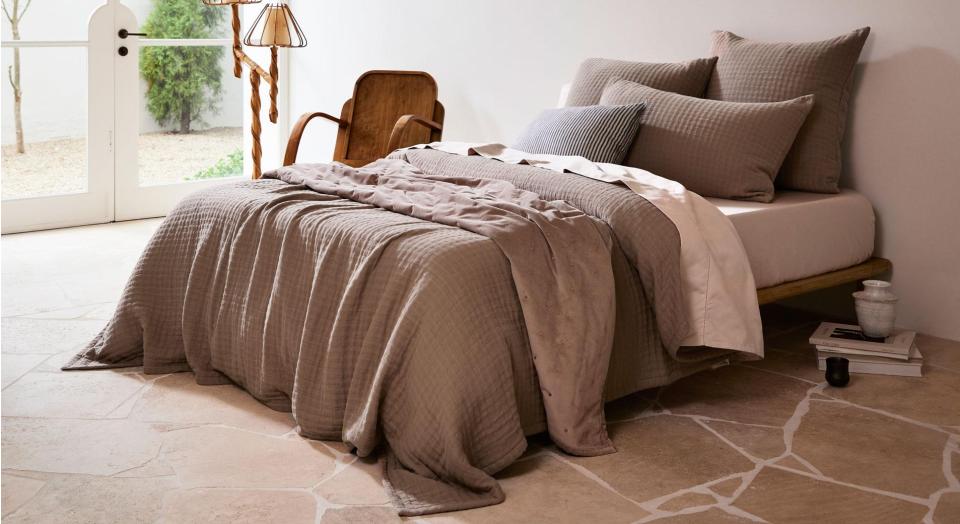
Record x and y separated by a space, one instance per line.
801 234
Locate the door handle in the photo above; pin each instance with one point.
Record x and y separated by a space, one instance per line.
123 33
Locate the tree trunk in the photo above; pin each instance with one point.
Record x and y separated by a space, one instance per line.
185 118
13 74
18 101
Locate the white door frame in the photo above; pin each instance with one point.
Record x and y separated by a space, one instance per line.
96 204
134 201
113 121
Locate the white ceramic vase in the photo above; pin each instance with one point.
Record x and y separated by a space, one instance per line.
876 308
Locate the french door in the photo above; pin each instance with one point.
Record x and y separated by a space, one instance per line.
102 122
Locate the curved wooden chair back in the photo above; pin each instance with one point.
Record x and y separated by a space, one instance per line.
380 98
380 117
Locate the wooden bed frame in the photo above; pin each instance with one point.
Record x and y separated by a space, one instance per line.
870 268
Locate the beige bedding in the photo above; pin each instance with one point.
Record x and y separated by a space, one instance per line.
719 292
382 328
801 234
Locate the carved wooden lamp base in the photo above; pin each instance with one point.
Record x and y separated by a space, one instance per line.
274 27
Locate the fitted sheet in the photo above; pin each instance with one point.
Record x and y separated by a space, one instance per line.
801 234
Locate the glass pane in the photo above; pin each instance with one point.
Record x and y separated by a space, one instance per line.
48 19
52 121
181 19
190 116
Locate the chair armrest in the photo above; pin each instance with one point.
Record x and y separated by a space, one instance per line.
293 143
402 123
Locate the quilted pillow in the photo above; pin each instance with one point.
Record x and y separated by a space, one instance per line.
597 133
687 78
717 149
753 71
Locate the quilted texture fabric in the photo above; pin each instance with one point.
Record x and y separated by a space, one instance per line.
716 149
753 71
597 133
686 78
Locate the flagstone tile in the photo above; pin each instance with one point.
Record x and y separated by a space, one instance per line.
932 398
177 398
948 509
17 491
92 447
237 506
18 298
154 468
868 449
360 515
98 284
726 488
779 496
761 442
15 366
30 335
791 462
955 464
80 394
73 498
660 455
736 393
799 365
221 457
360 483
626 408
687 500
710 516
84 312
544 489
939 351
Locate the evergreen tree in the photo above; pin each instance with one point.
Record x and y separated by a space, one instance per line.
182 82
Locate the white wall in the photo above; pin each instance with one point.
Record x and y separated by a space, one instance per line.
499 62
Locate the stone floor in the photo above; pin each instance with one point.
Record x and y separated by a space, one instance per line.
759 442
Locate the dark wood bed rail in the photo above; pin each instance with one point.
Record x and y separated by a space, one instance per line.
870 268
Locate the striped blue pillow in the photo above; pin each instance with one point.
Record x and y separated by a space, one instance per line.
597 133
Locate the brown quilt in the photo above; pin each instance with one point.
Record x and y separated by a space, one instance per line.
428 302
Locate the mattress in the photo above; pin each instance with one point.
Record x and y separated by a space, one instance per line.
801 234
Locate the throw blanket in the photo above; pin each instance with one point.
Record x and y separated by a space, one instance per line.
379 327
560 261
719 290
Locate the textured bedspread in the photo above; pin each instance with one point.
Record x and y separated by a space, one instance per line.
378 327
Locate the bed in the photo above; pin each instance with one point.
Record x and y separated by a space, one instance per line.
826 239
344 296
447 301
822 240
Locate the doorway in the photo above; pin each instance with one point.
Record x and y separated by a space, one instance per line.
114 110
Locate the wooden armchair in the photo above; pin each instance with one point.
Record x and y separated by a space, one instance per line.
389 110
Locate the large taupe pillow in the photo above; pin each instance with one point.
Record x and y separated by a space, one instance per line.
753 71
687 78
717 149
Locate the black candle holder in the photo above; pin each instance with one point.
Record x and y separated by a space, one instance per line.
838 371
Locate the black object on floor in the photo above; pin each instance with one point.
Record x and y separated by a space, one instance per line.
838 371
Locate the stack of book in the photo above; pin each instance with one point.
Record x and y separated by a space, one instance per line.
894 355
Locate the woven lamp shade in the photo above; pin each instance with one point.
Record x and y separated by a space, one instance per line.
231 2
275 27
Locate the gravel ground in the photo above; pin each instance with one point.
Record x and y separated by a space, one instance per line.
59 166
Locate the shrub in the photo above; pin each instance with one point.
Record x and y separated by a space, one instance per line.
182 82
230 165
